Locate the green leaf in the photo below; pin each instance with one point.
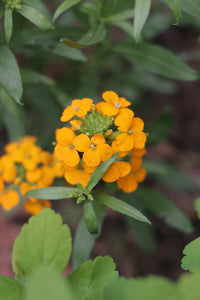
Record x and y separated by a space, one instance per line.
175 7
29 76
90 217
52 193
188 286
142 9
121 207
85 239
8 24
158 60
10 76
46 284
43 241
10 289
163 207
90 38
35 17
197 206
99 172
70 53
160 128
63 7
89 280
119 17
191 260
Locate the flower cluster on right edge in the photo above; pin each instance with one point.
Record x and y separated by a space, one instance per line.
93 133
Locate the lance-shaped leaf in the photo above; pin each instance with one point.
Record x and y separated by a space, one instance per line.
35 17
99 172
8 24
90 38
29 76
158 60
90 217
142 8
63 7
43 241
52 193
10 289
175 7
121 206
10 76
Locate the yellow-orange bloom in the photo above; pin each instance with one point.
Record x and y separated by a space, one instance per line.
95 150
77 175
9 199
113 105
78 108
64 150
34 206
116 170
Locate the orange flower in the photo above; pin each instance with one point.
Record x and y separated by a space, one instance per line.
9 199
78 108
132 132
95 150
34 206
77 175
64 150
116 170
7 168
128 183
113 105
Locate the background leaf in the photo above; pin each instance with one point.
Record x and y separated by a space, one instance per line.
157 59
175 7
191 260
35 17
90 217
43 241
142 8
10 76
63 7
8 24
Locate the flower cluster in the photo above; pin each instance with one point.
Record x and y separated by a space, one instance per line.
24 167
94 133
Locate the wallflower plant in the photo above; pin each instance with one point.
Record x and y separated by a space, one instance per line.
100 141
42 250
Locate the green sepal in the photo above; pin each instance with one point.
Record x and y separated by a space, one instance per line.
90 217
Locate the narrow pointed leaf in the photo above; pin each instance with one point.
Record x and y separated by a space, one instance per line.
119 17
158 60
99 172
29 76
90 217
63 7
43 241
35 17
121 206
90 38
175 7
8 24
142 8
52 193
10 76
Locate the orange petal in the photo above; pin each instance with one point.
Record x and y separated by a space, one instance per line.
124 119
67 114
91 158
112 174
64 136
139 139
77 176
71 158
137 124
140 175
138 152
109 109
82 143
105 151
136 162
98 139
9 200
124 102
128 183
123 167
124 141
110 97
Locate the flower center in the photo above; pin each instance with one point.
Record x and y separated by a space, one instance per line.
93 146
70 146
117 104
76 108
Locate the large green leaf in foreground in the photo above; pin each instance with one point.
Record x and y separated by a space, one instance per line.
43 241
191 260
10 289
